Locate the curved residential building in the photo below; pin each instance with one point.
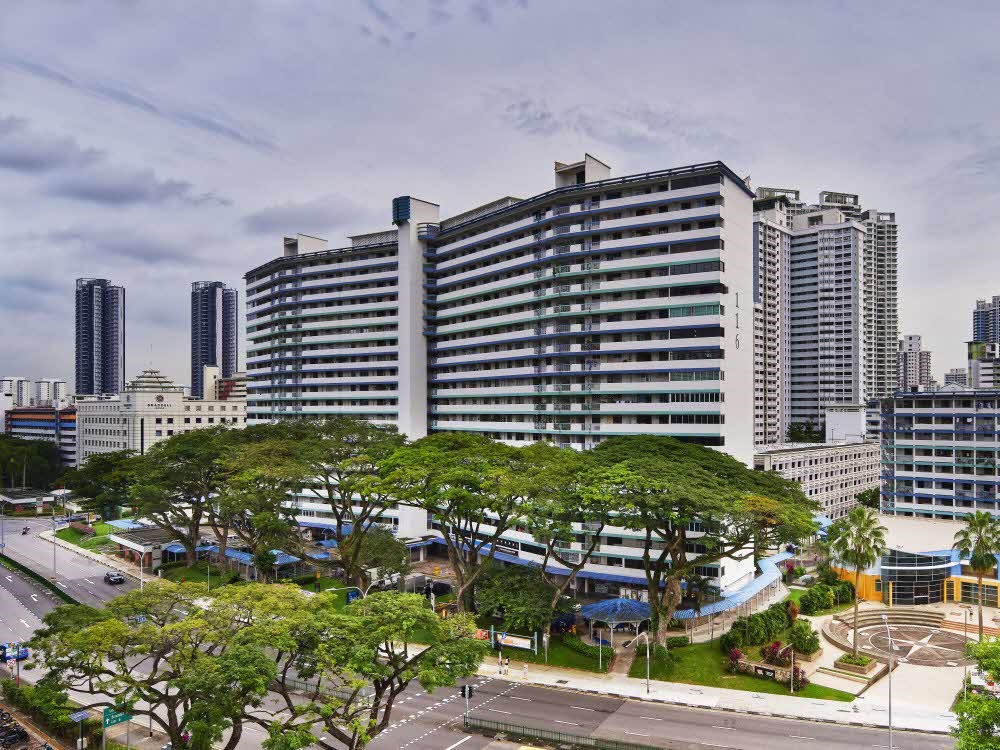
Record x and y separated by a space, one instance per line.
605 306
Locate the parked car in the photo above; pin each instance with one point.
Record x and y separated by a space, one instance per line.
114 578
13 651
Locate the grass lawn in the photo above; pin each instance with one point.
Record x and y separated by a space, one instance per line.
560 655
701 664
796 595
71 535
197 573
74 536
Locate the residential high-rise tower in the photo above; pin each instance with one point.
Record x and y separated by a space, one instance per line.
214 333
100 337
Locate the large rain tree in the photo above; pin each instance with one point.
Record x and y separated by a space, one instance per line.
340 672
979 543
858 541
101 483
346 458
695 507
473 488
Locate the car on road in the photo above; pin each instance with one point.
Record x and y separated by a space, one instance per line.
13 651
114 578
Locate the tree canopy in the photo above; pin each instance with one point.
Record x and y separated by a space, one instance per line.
979 542
857 540
101 484
28 463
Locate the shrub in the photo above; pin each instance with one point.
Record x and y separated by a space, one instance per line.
804 639
799 571
775 653
756 629
735 656
791 611
677 641
860 660
82 528
817 599
574 643
731 641
799 678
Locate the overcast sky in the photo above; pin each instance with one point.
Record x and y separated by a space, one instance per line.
160 143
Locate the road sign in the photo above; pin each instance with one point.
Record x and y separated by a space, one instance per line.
80 715
113 716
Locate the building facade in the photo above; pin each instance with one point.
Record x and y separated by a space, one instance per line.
984 364
827 317
832 474
214 332
50 392
100 337
54 424
939 452
601 307
914 364
19 389
218 388
956 376
151 408
986 320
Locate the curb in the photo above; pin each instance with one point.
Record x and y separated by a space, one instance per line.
93 556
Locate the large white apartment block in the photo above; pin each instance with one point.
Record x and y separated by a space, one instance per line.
605 306
939 452
50 392
150 409
19 388
832 474
827 321
914 364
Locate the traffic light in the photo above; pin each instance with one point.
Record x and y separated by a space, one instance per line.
468 690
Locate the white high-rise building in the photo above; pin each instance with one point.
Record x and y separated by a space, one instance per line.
956 376
834 335
50 392
914 364
601 307
19 388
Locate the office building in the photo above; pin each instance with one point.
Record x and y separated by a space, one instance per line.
914 364
827 307
100 337
50 392
984 364
52 423
214 331
986 320
601 307
831 474
956 376
19 389
150 408
939 452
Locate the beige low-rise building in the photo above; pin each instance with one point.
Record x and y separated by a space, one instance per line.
151 408
832 474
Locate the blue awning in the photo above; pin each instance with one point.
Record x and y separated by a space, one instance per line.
125 524
615 611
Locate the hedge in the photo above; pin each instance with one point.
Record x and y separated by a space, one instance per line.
50 708
755 629
803 638
574 643
677 641
821 597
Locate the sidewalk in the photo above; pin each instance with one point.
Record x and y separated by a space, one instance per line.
867 711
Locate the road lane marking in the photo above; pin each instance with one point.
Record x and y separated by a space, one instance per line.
24 623
571 723
636 734
650 718
518 698
464 739
731 729
498 711
89 581
10 579
798 737
34 598
582 708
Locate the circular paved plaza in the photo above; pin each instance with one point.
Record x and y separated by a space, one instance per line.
916 644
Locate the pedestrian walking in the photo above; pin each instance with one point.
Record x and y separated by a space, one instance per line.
506 666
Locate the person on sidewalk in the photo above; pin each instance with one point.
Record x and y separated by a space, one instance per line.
525 672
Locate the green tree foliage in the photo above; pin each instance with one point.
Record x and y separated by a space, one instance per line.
356 662
803 638
475 487
381 556
857 540
669 489
101 484
979 542
869 498
979 715
805 432
520 595
346 458
28 463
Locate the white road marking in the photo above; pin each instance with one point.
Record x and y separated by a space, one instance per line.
731 729
650 718
10 579
498 711
89 581
464 739
571 723
25 624
583 708
797 737
636 734
519 698
34 598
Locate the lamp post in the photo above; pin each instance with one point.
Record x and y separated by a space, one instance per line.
53 539
645 636
885 619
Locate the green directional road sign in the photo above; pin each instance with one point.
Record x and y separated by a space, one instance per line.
113 716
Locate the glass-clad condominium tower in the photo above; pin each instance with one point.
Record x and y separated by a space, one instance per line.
100 337
606 306
214 333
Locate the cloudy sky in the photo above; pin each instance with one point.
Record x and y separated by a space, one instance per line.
159 143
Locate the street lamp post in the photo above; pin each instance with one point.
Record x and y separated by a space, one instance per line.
645 636
53 539
885 619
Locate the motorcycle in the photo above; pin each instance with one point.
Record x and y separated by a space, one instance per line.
25 530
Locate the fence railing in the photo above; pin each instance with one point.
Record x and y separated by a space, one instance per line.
564 739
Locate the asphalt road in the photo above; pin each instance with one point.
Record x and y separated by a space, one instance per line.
81 577
23 603
434 722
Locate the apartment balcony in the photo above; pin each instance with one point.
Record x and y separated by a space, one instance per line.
428 231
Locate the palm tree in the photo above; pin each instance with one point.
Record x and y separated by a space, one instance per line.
980 542
857 540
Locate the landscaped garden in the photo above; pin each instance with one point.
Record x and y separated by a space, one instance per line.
200 572
88 537
796 596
